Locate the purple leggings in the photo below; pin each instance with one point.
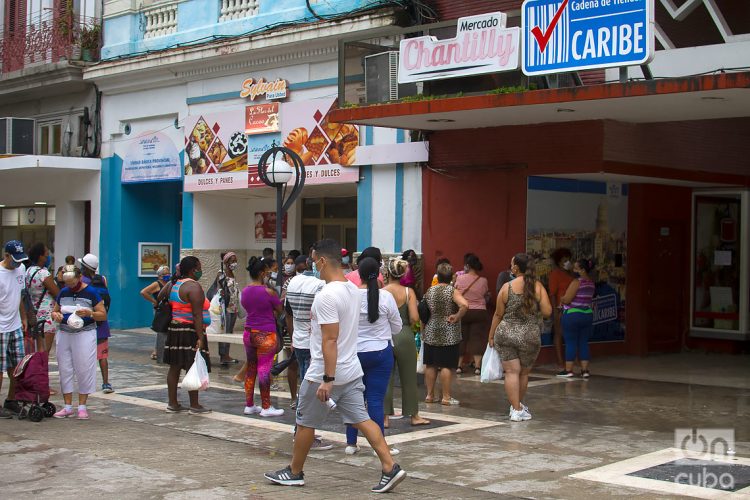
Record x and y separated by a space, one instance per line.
260 348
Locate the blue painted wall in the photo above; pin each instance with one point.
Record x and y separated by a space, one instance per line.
198 22
133 213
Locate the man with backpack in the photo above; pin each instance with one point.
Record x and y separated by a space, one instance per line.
12 314
98 283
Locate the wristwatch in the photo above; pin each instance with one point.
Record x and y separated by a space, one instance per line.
327 379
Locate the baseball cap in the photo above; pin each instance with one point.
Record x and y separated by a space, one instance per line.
344 252
302 259
90 260
15 249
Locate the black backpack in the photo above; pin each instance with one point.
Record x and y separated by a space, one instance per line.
97 282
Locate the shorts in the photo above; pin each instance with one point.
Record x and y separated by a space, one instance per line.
349 398
11 349
443 356
102 348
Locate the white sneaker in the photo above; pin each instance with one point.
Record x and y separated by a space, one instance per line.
523 408
252 410
519 415
351 450
271 412
394 451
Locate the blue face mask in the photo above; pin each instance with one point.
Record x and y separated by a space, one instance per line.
48 262
14 264
315 271
166 277
345 260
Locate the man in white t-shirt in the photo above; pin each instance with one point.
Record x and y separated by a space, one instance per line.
334 375
12 314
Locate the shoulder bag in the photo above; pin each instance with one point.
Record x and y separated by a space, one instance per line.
162 314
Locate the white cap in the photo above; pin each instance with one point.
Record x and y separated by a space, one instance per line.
90 260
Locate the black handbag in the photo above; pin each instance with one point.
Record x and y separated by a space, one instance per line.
424 311
162 314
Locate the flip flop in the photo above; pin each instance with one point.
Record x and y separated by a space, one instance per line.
429 400
153 356
424 422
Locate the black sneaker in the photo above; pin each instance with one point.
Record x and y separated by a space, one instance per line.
565 374
5 413
284 477
12 406
389 480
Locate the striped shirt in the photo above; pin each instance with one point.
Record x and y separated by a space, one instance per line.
182 312
299 299
87 298
584 295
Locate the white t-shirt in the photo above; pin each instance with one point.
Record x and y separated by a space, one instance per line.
300 294
376 336
337 302
11 284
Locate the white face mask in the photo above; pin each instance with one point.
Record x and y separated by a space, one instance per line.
233 266
567 265
288 268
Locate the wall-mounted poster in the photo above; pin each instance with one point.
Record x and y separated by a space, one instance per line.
265 226
151 256
328 150
590 219
262 118
151 157
215 152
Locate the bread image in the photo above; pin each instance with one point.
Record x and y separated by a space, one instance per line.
296 140
217 152
316 143
235 164
343 147
347 160
334 156
202 134
307 158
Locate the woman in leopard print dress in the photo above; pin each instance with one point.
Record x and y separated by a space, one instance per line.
515 331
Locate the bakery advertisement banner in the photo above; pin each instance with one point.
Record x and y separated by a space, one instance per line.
265 226
262 118
328 150
215 152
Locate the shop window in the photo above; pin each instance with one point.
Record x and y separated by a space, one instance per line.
718 262
340 208
334 218
50 138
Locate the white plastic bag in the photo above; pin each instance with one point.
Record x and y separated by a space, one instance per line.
420 359
75 321
196 379
214 312
492 367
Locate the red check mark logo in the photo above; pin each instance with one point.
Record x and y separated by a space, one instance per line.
543 38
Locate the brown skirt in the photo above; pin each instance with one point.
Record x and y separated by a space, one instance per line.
179 346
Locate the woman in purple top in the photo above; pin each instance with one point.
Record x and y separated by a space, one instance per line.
577 319
262 305
410 278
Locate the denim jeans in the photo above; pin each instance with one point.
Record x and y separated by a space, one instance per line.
577 329
377 367
303 360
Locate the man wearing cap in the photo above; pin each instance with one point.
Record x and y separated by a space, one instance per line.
12 314
98 283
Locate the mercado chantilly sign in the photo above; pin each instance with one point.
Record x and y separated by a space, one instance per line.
482 45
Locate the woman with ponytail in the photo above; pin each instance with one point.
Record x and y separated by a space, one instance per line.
379 319
516 330
577 318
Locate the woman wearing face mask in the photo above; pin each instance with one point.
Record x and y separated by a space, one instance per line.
262 305
151 292
43 290
230 295
76 343
346 260
578 317
559 280
290 271
186 337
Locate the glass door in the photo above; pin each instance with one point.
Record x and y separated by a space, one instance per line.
720 303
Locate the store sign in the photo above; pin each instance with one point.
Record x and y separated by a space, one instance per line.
328 150
271 90
151 157
605 309
482 45
262 118
215 152
265 226
572 35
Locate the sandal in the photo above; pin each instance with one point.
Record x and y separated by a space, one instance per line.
422 421
429 400
449 402
153 356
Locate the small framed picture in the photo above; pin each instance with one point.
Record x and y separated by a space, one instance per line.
151 256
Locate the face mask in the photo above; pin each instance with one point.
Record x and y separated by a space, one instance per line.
345 261
166 277
567 265
274 275
48 261
14 264
233 266
288 268
198 275
315 271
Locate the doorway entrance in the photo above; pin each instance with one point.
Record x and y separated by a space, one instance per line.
334 218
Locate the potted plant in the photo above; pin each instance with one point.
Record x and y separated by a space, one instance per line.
90 40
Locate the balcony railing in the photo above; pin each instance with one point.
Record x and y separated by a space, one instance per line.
49 41
160 20
237 9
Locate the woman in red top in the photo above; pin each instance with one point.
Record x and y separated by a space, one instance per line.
559 280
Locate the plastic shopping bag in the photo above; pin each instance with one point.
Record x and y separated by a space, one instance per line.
215 313
420 359
196 379
492 368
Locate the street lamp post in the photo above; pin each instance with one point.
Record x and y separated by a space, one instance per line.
277 167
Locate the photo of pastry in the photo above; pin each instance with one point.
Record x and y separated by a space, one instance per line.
197 161
316 143
343 147
202 134
237 164
217 152
296 140
331 129
237 144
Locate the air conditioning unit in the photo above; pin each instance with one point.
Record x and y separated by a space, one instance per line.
381 79
17 136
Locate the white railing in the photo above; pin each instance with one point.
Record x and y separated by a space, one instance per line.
237 9
160 21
